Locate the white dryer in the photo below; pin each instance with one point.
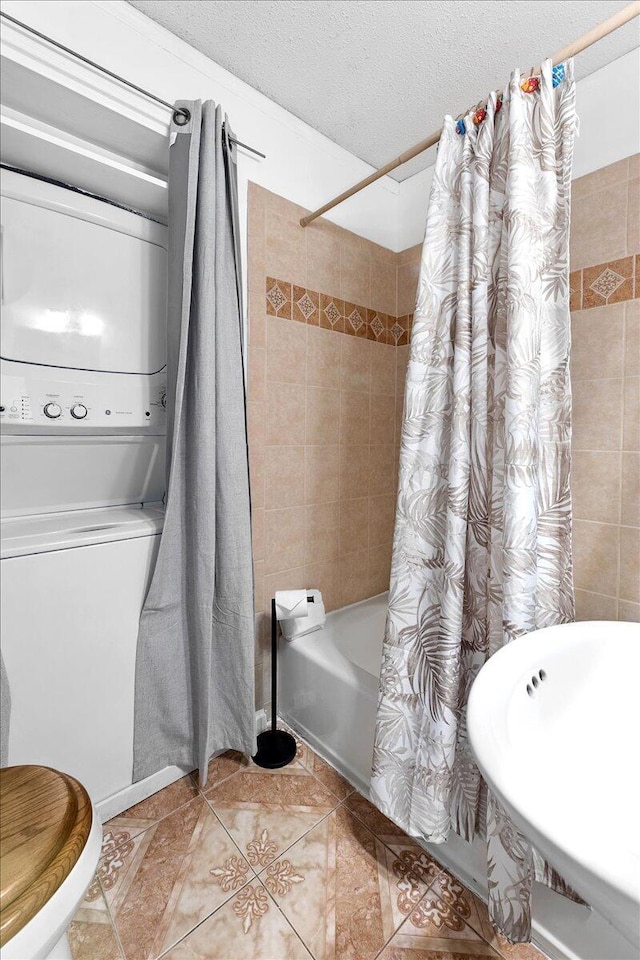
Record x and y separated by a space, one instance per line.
82 416
83 286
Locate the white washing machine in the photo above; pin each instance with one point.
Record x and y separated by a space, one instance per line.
82 416
73 584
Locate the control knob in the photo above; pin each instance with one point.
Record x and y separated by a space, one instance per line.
78 411
52 410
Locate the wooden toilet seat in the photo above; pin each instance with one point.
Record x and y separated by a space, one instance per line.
45 820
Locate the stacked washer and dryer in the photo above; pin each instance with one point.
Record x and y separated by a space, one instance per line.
83 472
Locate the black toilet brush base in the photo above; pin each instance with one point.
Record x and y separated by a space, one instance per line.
276 748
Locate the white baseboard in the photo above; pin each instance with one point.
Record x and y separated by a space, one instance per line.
136 792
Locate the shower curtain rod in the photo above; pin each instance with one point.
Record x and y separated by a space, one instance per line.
603 29
180 114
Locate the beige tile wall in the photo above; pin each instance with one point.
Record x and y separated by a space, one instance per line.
325 405
324 411
605 369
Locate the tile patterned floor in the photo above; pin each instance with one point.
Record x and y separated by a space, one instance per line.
288 864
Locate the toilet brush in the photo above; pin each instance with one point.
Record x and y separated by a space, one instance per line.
276 748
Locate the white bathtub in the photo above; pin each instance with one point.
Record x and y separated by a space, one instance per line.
329 682
328 692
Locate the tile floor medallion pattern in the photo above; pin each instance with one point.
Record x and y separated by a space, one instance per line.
274 865
249 927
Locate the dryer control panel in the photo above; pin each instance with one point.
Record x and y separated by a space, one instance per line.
83 314
67 401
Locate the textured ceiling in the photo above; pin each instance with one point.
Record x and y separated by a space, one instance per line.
375 76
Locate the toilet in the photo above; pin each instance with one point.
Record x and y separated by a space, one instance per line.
50 839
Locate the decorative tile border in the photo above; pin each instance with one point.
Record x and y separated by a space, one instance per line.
283 299
612 282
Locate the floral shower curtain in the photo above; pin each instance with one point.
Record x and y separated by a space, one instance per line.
482 546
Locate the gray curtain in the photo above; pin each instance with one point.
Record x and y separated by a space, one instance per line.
5 714
195 656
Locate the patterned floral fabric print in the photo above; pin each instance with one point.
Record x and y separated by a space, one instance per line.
482 548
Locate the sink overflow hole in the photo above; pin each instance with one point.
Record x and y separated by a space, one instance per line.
535 682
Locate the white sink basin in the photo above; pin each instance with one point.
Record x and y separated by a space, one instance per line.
553 721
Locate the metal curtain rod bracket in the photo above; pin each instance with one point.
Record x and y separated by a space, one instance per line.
619 19
181 115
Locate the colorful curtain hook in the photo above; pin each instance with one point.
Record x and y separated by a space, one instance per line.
530 85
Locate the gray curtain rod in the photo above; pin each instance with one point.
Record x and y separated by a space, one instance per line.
181 115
